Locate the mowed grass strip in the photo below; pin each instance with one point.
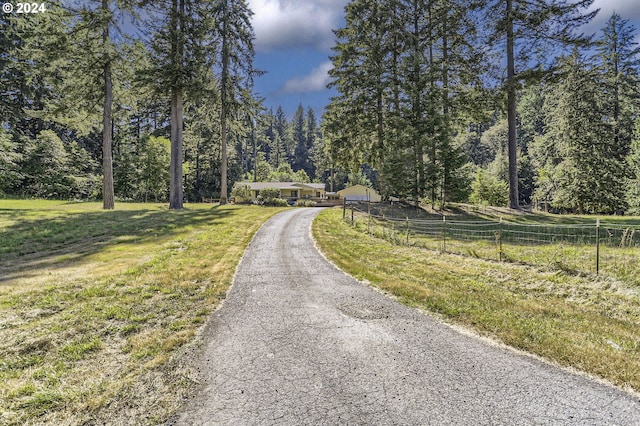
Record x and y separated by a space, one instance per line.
96 307
585 322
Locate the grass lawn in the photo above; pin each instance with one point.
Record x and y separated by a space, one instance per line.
97 306
557 242
577 320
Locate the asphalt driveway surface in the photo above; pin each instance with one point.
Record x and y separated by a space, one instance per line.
298 342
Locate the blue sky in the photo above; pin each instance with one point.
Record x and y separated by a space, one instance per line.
294 39
627 9
293 44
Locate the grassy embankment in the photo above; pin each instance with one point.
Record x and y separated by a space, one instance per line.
578 320
96 306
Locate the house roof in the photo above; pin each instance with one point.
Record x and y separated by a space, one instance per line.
358 188
312 185
258 186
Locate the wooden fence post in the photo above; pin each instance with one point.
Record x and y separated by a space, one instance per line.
444 233
597 246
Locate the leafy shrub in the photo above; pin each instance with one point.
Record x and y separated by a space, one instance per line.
275 202
305 203
242 194
269 193
270 202
487 189
271 197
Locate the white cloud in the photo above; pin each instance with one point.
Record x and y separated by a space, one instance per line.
627 9
296 23
315 81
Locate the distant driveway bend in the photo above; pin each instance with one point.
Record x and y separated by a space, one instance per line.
298 342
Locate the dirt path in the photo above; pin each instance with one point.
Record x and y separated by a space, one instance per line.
299 342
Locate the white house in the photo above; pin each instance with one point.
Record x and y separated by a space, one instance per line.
360 193
288 190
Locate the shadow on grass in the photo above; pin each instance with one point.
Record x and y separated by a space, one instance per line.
34 243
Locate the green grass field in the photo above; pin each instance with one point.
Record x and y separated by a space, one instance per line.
97 306
567 243
577 320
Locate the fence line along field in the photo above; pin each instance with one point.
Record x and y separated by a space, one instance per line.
587 246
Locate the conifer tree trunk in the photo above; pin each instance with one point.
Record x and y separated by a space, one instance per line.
198 183
223 160
445 109
224 106
175 194
380 142
616 99
108 202
511 110
432 85
175 188
417 110
255 152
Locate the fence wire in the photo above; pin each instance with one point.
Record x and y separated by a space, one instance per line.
612 249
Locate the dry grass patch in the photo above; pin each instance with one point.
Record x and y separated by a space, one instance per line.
581 321
97 306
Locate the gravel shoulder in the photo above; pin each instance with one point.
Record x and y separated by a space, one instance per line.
297 341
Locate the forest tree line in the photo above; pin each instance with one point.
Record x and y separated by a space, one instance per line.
425 110
130 99
499 102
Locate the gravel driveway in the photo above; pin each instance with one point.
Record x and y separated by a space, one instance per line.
299 342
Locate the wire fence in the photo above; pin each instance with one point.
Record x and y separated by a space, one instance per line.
597 248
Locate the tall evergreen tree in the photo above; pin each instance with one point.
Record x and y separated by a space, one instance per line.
284 141
183 47
459 59
17 87
619 64
16 82
361 76
536 26
584 171
300 160
633 182
108 200
278 153
418 114
315 145
235 35
33 48
9 163
402 69
178 24
618 58
202 149
88 85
